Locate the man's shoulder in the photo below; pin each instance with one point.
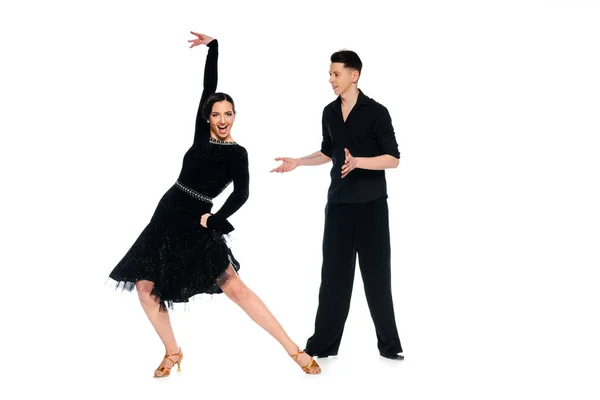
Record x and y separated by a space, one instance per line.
331 105
377 106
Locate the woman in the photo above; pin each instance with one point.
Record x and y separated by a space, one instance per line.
182 251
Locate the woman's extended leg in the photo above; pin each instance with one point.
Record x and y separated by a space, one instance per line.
236 290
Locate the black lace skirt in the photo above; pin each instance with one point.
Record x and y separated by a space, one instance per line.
174 251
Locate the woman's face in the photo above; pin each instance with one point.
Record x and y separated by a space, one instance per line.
221 119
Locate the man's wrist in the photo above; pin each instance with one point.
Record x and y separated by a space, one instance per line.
359 161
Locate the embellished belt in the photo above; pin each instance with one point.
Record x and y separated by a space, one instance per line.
193 193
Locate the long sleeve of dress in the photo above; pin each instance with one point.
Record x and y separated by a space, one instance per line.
237 198
210 87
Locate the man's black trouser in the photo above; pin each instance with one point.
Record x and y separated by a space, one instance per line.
352 229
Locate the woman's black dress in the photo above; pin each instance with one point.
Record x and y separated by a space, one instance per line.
174 251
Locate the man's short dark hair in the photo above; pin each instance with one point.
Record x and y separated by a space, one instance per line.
349 58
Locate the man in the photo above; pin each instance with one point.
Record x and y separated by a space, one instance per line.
358 136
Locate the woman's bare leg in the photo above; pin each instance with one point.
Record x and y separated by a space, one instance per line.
240 294
159 319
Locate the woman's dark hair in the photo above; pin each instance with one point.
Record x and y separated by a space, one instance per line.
349 58
214 98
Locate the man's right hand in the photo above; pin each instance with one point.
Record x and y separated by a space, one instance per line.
287 164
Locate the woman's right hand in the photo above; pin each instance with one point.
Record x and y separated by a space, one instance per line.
201 39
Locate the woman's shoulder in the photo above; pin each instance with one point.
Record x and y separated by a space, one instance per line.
241 152
237 151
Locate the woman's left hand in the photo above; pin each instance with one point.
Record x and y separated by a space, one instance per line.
204 219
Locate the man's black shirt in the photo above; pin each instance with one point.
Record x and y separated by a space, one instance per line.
367 132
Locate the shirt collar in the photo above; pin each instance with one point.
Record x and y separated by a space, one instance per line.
361 100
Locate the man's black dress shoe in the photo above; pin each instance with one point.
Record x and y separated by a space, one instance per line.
325 355
398 357
310 353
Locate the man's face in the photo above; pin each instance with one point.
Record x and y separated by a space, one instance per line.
341 78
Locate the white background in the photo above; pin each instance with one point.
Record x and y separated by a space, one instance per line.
494 208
